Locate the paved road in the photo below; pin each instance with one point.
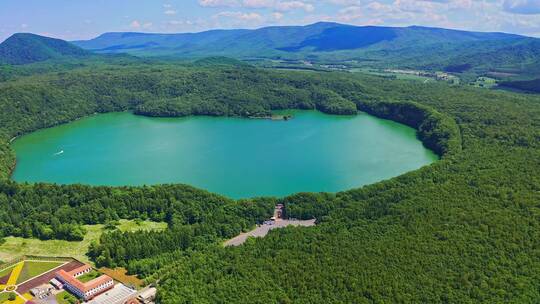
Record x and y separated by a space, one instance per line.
262 230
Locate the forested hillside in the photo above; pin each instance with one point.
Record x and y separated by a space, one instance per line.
29 48
465 229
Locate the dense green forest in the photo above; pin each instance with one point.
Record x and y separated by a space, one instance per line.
465 229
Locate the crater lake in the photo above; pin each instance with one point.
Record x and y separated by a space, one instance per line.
236 157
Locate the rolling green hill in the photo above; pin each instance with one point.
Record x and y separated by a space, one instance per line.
29 48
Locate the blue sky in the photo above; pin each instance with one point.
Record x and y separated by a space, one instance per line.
83 19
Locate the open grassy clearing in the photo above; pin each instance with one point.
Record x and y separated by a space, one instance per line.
32 269
397 75
132 226
484 82
87 277
65 298
16 246
120 274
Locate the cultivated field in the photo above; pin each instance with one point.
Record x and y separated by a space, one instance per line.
32 269
120 275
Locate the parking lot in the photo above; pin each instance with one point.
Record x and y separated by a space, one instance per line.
262 230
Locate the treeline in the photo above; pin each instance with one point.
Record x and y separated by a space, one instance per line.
189 227
7 157
48 211
437 131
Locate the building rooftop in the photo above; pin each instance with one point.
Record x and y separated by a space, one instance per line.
118 295
149 293
84 287
83 268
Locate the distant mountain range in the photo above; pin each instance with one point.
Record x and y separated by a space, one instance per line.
411 47
283 40
374 46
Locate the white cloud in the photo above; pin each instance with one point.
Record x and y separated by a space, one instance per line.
176 22
258 3
350 14
218 3
135 24
240 16
291 5
24 26
414 6
277 15
170 12
344 2
276 5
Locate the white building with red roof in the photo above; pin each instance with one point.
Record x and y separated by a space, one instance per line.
87 290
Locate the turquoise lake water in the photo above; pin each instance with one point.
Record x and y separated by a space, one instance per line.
232 156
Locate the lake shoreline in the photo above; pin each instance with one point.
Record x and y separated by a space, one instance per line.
273 117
